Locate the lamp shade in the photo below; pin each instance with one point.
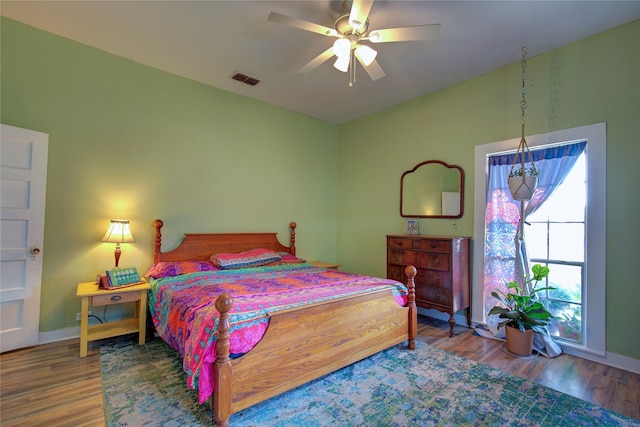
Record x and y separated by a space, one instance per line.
342 63
365 54
342 48
119 231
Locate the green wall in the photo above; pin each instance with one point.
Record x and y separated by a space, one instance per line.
592 81
129 141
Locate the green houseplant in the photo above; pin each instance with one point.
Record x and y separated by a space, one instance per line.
528 171
522 311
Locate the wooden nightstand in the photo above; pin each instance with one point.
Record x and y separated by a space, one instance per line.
93 296
323 264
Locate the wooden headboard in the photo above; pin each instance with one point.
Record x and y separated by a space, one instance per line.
200 246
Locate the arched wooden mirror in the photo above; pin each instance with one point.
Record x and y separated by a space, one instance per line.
432 189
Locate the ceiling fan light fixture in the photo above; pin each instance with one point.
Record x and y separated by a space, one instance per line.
342 48
365 54
342 63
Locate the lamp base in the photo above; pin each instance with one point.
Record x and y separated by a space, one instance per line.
117 254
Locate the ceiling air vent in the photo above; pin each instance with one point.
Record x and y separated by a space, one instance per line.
245 79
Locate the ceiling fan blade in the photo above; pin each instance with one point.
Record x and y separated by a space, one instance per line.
359 13
403 34
303 25
311 65
373 70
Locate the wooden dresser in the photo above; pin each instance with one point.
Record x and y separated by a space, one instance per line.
443 264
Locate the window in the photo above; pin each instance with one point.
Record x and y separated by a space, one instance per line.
583 268
555 236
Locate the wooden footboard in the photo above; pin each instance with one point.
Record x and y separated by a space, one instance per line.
306 343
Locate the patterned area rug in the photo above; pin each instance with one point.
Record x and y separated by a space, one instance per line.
145 386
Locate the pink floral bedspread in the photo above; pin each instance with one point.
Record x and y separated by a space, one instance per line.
185 316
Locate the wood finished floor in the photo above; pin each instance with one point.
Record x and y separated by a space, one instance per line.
50 385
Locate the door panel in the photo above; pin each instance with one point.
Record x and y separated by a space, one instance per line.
23 172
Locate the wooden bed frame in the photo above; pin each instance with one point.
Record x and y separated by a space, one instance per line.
300 344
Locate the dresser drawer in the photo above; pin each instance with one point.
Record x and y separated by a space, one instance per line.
400 257
440 296
437 279
396 272
399 243
115 298
431 278
433 261
433 245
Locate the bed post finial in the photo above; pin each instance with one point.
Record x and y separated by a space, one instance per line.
292 237
158 239
411 272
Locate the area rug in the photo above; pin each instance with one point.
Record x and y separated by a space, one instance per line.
144 386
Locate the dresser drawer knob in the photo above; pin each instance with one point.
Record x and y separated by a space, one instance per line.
116 298
433 245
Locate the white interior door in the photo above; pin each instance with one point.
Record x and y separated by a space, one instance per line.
23 175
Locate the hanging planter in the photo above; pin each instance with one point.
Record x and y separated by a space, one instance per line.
523 180
522 188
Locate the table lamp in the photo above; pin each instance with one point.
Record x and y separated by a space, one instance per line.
118 232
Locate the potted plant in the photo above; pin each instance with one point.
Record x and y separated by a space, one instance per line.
522 311
523 181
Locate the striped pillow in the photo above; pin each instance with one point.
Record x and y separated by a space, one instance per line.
250 258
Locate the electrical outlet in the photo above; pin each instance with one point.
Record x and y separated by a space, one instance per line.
79 316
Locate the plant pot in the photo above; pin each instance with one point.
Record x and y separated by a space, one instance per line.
522 187
519 342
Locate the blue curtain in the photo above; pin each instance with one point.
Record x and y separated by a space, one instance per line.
505 255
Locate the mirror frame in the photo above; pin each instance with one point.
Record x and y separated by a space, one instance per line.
402 214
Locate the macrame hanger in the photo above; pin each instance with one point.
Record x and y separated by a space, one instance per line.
523 147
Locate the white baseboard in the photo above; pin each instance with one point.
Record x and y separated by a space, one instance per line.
59 335
74 332
610 359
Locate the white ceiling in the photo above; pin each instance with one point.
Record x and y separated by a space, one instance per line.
208 41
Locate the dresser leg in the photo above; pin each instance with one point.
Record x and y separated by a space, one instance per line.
452 322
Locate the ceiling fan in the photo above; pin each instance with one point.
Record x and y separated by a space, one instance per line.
350 30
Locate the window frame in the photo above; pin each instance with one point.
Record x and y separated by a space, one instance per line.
594 316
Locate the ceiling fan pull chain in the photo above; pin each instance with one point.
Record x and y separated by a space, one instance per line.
352 69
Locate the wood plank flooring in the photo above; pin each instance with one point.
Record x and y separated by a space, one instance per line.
50 385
